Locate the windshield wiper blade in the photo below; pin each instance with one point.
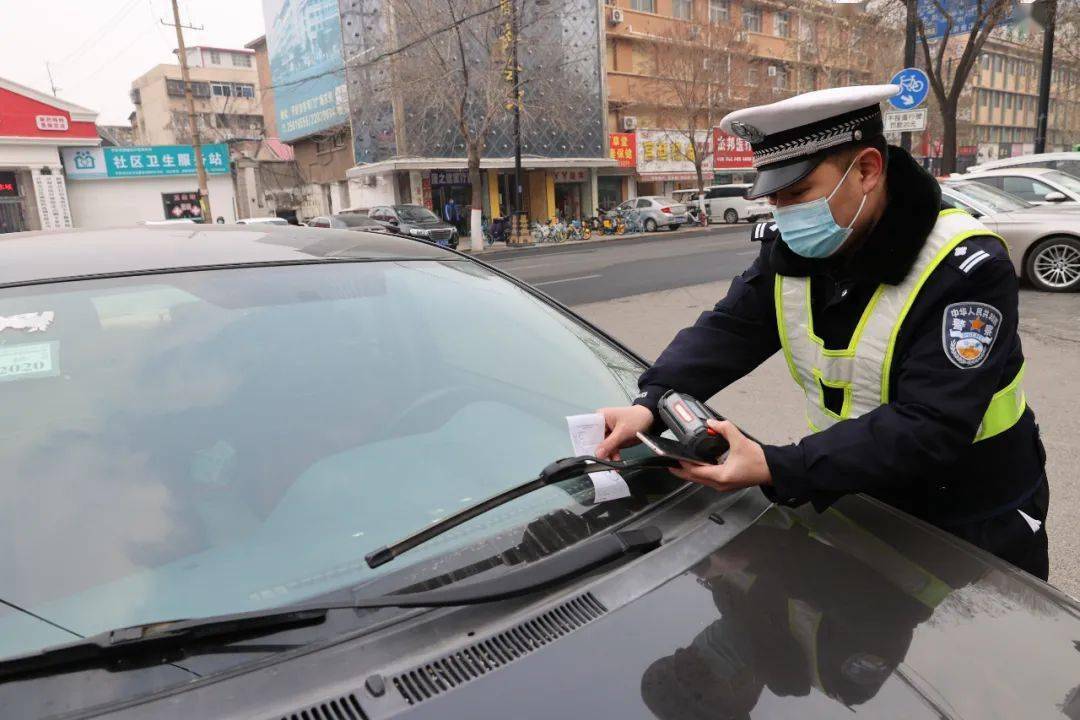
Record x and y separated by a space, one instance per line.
151 640
555 472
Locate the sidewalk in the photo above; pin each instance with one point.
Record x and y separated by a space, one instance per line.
501 250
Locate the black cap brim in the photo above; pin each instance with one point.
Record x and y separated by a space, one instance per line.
778 176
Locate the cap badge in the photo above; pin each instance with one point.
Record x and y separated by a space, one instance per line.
747 132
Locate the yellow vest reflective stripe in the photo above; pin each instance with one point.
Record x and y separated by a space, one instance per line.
861 370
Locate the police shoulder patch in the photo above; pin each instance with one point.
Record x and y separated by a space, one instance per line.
968 331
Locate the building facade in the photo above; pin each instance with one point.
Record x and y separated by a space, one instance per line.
1002 104
747 52
225 87
33 128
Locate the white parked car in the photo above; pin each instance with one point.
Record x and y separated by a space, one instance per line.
1041 186
262 221
1068 162
727 203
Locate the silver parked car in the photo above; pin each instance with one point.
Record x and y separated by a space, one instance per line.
1044 242
657 211
1042 186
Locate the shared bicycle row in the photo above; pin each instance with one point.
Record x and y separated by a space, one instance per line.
559 230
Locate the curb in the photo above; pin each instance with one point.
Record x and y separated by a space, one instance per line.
531 249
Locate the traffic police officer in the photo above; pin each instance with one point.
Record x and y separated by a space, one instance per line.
897 317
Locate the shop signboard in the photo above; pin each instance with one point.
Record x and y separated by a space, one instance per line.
670 151
142 161
730 151
623 149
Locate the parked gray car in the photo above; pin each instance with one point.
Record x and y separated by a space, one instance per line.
657 211
1041 186
1044 241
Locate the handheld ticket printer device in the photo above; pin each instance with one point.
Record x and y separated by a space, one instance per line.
686 418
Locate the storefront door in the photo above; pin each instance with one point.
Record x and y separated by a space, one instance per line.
12 218
447 184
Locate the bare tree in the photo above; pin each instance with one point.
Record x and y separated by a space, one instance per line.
950 63
695 62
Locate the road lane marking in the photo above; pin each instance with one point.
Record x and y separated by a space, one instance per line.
580 277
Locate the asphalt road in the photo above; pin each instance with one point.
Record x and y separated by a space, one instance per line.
644 291
592 272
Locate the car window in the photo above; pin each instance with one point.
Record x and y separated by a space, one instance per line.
353 220
663 201
1070 183
644 203
222 441
1026 188
993 181
991 198
1072 167
715 193
955 202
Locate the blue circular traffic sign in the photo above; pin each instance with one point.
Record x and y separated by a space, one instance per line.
914 87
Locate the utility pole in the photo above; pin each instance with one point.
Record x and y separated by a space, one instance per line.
51 83
1045 15
196 138
516 230
909 54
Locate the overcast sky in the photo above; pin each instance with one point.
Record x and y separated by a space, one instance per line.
97 47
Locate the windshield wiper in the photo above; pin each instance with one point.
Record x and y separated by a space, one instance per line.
153 640
555 472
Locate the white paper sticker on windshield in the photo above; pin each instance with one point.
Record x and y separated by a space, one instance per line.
30 360
586 432
31 322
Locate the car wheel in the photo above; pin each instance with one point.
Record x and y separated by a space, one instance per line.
1053 265
730 216
650 225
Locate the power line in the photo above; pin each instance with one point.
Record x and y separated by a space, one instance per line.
105 28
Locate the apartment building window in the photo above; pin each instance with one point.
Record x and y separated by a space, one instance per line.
984 60
245 90
719 11
782 23
682 9
808 30
648 6
809 79
751 18
995 98
221 89
175 88
999 63
241 60
984 99
1008 101
215 57
752 74
781 79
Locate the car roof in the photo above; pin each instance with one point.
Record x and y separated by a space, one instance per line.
1020 170
32 257
1020 160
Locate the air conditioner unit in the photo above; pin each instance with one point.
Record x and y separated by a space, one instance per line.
616 16
772 71
629 122
368 180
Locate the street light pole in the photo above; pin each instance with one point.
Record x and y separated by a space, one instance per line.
516 230
909 55
1045 75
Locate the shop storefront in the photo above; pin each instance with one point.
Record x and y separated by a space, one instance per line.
125 185
447 186
33 193
570 189
732 159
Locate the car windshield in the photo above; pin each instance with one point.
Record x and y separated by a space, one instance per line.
1067 181
990 198
416 213
353 220
190 444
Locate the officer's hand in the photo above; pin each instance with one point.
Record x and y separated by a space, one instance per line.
745 465
622 425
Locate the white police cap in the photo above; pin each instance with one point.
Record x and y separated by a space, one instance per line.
790 137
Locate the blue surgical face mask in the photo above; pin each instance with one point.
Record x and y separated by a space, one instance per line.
810 229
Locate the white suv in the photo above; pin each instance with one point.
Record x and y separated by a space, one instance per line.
728 203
